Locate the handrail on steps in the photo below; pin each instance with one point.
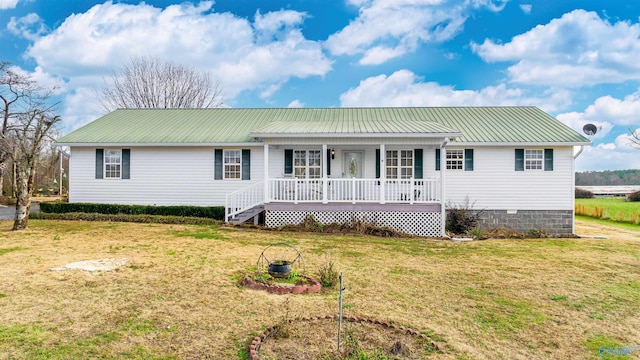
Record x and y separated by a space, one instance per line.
242 200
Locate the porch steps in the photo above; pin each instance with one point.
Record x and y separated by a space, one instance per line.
252 213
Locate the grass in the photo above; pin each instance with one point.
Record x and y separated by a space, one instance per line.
178 298
614 209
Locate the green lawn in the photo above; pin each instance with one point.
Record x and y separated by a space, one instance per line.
616 209
179 298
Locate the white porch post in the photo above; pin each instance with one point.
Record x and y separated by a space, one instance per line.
325 186
266 173
383 173
443 166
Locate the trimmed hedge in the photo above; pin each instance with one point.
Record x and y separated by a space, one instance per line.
211 212
147 219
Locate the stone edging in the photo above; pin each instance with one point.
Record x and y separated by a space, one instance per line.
315 287
257 341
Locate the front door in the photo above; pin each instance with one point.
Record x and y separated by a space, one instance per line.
352 164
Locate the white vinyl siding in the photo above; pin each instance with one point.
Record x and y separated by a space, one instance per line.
159 176
493 185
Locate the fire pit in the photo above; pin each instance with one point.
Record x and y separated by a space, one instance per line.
279 268
280 261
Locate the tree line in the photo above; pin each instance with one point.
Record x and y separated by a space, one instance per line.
608 178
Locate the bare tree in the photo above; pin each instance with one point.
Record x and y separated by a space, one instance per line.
635 137
15 92
29 121
150 83
26 138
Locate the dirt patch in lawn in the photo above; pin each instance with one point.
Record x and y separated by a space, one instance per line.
94 265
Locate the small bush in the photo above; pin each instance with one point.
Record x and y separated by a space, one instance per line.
537 234
461 218
211 212
327 274
634 196
478 234
583 194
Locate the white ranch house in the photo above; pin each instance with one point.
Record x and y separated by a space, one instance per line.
397 167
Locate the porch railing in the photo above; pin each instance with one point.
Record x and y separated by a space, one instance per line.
354 190
407 191
243 199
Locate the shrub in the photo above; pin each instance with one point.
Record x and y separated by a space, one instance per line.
478 234
583 194
634 196
327 275
212 212
536 234
461 218
155 219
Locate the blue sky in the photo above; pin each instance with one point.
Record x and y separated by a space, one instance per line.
577 60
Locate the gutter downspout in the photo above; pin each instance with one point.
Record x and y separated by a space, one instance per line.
443 212
573 185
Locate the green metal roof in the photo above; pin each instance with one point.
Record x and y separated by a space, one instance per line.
215 126
356 126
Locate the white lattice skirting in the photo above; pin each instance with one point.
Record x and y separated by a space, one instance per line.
422 223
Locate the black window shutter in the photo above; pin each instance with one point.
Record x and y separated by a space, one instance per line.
437 159
217 166
288 161
126 163
519 159
548 159
99 163
417 164
246 164
468 159
377 163
328 162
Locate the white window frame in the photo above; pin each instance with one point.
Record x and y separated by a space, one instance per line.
533 159
229 167
399 164
454 159
108 162
307 161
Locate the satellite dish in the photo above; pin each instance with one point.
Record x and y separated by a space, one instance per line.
590 129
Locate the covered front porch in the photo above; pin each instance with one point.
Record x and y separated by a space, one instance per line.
340 184
366 169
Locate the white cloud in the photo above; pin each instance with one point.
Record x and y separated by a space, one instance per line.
577 121
404 88
623 112
609 156
526 8
385 29
29 26
578 49
295 104
80 106
243 55
8 4
606 112
44 80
